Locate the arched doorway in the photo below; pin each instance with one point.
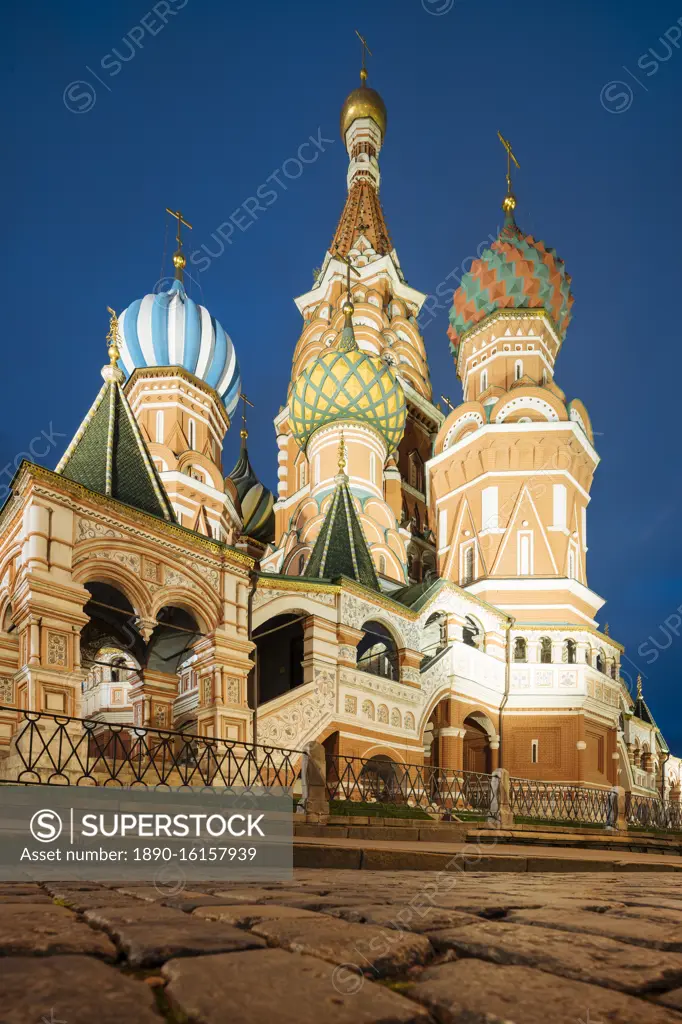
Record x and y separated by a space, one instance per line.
279 646
377 651
477 755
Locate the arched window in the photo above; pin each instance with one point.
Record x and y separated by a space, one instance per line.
546 650
472 634
484 380
600 661
434 637
159 435
569 652
518 369
614 670
468 565
520 649
192 434
416 472
195 473
377 651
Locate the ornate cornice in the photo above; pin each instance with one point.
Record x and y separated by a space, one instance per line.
180 534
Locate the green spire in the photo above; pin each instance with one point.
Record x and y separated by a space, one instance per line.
341 548
108 453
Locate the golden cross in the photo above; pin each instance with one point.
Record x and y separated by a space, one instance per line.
349 267
245 402
510 202
365 50
181 220
447 401
113 337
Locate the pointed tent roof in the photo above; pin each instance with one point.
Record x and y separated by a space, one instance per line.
341 548
362 215
108 453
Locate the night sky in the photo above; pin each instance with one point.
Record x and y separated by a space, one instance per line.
111 114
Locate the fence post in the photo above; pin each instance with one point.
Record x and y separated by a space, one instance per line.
500 799
313 802
617 818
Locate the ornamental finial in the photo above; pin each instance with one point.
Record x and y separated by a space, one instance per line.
113 337
343 455
509 201
179 260
243 433
640 695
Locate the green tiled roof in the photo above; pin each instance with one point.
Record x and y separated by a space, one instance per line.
109 455
341 548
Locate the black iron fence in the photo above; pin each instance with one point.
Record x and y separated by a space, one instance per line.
57 749
552 801
381 780
652 812
60 750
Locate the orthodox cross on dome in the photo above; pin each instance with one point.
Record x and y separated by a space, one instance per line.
447 401
365 50
349 266
244 432
509 202
179 261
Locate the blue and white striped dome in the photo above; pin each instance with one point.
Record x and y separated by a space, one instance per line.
170 329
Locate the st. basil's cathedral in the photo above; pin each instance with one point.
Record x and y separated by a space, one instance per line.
416 591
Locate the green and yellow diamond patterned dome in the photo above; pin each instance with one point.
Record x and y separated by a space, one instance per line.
347 384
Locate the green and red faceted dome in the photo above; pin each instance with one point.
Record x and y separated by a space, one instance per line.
516 272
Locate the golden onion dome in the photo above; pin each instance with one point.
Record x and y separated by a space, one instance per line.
348 385
363 102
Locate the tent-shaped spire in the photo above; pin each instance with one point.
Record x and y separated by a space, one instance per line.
341 548
108 454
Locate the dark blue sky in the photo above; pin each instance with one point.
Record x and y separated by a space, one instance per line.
214 102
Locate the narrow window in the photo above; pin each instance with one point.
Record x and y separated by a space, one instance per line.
159 427
559 505
534 751
192 434
301 564
484 380
518 369
525 567
546 651
468 565
372 467
570 650
382 564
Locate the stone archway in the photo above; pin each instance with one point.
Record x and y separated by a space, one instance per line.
480 744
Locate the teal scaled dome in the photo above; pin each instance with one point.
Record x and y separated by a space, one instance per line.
516 272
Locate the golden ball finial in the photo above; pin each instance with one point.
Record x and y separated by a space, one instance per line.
179 261
348 308
363 102
509 203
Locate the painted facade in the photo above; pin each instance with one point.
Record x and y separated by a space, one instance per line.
417 589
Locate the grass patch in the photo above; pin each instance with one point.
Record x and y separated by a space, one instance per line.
356 809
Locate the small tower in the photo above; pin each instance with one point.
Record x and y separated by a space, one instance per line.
183 387
513 464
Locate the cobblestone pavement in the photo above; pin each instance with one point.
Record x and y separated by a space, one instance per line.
347 947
